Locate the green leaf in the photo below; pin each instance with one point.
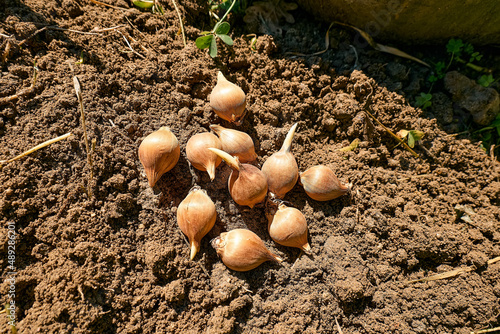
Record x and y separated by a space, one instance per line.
469 49
222 29
417 135
423 101
440 66
433 78
411 140
213 48
203 33
143 4
226 39
454 46
485 80
204 42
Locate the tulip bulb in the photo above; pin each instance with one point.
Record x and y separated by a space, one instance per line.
288 227
196 216
159 152
321 184
242 250
228 100
281 168
198 154
247 183
236 143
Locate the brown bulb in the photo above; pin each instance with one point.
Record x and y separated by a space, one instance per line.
228 100
281 168
247 183
288 227
198 154
196 216
236 143
242 250
159 152
321 184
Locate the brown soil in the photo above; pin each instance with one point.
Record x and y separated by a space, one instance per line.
118 262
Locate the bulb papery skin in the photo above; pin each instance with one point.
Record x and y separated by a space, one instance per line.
228 100
321 184
196 216
281 172
242 250
236 143
248 185
159 152
198 154
288 227
281 168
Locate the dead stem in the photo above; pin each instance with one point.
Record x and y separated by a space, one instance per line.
180 22
78 91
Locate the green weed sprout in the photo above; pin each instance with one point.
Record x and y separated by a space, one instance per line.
413 136
423 101
148 4
220 30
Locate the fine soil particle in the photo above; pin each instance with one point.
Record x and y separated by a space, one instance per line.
117 262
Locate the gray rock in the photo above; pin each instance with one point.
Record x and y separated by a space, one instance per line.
482 103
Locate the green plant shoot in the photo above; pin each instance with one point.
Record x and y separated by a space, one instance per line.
412 135
220 30
423 101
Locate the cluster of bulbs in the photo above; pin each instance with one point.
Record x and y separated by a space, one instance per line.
239 249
